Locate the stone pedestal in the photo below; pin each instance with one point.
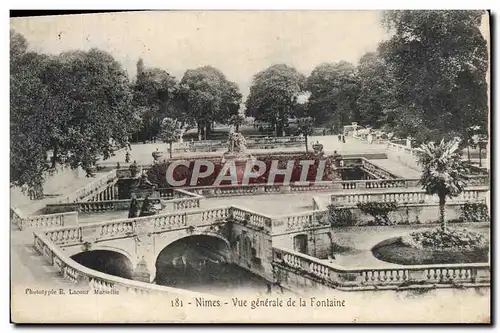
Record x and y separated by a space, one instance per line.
144 273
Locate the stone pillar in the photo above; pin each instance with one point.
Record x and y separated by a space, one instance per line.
144 271
408 142
146 261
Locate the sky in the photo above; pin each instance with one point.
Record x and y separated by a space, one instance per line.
240 44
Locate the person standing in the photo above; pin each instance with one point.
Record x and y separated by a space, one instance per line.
343 138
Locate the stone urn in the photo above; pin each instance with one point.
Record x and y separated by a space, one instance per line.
317 147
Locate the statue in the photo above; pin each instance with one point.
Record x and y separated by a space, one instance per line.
237 143
134 207
144 183
236 153
156 156
147 208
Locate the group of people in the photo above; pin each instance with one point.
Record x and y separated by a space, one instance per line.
341 138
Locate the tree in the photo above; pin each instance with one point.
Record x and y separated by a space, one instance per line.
28 131
439 62
28 125
89 111
375 99
154 91
444 174
273 95
207 96
170 132
334 90
237 120
306 128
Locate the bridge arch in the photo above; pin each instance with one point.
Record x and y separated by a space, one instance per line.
190 254
107 260
132 258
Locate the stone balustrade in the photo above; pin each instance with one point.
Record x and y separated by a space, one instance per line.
252 219
42 221
97 281
415 196
95 206
156 223
91 188
106 194
298 221
323 186
325 273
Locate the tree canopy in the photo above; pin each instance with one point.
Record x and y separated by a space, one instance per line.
334 90
438 60
77 104
207 96
273 95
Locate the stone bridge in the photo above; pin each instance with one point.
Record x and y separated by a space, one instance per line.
229 234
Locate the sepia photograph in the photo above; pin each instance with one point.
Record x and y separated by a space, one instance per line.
287 166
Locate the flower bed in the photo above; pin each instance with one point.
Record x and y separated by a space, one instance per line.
434 246
157 173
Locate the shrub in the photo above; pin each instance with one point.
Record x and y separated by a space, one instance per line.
449 238
475 212
340 217
379 211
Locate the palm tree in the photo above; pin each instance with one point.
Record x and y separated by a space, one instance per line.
443 172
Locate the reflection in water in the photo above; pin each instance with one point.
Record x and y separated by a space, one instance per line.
197 265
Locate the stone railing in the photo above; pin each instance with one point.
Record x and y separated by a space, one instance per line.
91 188
252 219
201 146
324 186
404 155
364 138
479 180
406 197
43 221
108 192
94 280
95 206
325 273
376 184
298 221
129 227
235 190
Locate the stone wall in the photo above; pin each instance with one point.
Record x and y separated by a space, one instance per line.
252 250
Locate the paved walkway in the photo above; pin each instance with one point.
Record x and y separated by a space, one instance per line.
142 153
30 207
397 169
269 204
